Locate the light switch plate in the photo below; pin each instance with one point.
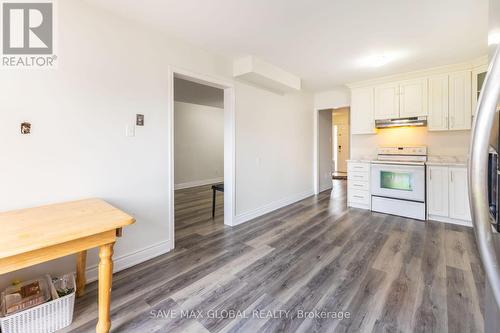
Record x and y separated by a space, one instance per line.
139 120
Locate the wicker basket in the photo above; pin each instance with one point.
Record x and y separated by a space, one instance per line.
45 318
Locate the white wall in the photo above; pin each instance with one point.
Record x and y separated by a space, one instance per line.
274 141
109 70
325 149
332 99
198 144
447 143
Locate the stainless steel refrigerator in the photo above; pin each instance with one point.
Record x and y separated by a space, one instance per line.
484 171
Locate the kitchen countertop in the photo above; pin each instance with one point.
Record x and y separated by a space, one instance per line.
362 159
460 161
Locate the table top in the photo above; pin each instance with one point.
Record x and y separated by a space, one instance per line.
31 229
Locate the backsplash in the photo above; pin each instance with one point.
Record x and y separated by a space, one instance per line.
446 143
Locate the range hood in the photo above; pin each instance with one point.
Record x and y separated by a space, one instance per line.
399 122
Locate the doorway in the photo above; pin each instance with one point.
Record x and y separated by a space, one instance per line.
201 118
332 146
341 144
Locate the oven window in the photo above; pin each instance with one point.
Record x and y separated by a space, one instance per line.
395 180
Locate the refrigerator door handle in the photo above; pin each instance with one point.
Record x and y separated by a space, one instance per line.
478 175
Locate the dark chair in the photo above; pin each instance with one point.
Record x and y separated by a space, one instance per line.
215 188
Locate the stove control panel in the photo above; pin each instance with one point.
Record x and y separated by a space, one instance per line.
404 151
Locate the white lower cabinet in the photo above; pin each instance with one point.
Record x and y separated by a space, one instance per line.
358 185
448 195
459 194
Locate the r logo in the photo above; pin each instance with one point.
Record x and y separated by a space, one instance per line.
27 28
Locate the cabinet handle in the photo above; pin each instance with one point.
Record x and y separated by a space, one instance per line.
430 174
359 197
451 176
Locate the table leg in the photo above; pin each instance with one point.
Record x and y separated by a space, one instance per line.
81 263
105 279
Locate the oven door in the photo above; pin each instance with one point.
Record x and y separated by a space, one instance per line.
398 181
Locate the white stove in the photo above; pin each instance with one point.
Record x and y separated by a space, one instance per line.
398 181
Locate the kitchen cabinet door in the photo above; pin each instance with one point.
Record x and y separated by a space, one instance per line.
413 98
438 103
460 108
362 103
478 76
387 101
437 191
459 194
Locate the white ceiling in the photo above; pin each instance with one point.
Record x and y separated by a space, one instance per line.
323 41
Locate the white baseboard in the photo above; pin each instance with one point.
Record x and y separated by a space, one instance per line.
198 183
324 188
128 260
254 213
449 220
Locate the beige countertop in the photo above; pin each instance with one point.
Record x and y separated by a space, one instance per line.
460 161
362 159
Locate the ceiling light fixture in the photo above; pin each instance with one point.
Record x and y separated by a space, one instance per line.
379 60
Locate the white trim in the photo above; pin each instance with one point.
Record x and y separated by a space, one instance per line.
316 156
324 188
449 220
196 183
229 142
131 259
358 205
316 151
254 213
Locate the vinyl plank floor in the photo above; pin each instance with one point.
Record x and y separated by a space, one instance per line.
313 266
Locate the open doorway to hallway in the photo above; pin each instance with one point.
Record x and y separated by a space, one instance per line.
341 144
198 158
332 146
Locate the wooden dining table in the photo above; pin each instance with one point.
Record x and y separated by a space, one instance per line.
36 235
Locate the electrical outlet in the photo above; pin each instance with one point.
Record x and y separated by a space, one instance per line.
130 130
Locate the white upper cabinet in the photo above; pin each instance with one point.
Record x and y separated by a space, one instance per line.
387 101
401 99
460 105
362 103
445 95
450 101
413 98
437 119
478 76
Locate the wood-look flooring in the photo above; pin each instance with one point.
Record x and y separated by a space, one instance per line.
385 273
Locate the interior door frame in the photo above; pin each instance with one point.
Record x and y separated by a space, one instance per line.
229 142
316 141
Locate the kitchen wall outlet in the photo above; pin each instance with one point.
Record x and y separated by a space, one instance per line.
130 130
139 120
25 128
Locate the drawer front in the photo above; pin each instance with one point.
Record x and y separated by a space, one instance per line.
358 196
358 185
359 167
358 176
